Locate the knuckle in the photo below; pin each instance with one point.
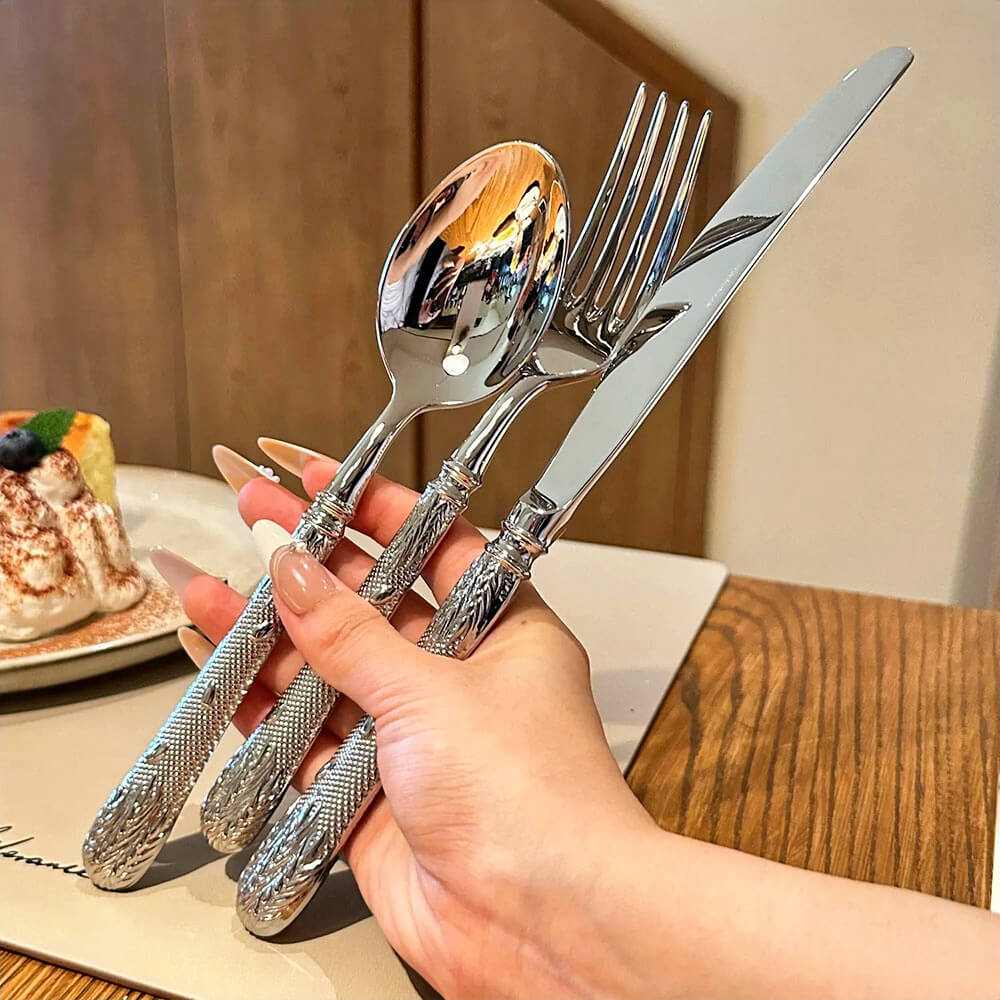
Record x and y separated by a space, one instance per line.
344 630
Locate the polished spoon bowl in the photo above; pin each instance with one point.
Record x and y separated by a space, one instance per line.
466 290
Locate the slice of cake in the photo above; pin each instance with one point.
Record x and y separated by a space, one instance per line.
64 553
87 438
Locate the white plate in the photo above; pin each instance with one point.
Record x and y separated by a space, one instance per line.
193 515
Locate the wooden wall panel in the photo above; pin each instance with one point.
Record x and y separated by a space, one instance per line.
294 145
89 297
531 74
196 199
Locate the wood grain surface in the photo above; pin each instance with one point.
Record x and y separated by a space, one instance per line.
558 84
829 730
90 311
294 145
837 732
197 198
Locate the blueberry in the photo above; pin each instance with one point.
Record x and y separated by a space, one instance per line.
21 450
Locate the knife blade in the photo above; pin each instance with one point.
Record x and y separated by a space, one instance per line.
293 859
659 342
704 280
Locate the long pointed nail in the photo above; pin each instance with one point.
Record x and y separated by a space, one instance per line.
197 647
268 536
292 457
237 470
175 569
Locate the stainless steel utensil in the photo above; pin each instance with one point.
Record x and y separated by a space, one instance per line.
296 854
466 290
577 344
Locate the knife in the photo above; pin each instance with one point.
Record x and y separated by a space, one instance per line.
295 856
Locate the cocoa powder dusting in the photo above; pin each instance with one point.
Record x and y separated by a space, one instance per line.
159 607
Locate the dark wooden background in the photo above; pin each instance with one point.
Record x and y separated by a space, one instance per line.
197 195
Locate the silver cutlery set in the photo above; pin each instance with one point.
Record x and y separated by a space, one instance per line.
480 297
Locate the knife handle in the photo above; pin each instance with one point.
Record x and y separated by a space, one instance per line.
298 852
134 822
295 857
255 779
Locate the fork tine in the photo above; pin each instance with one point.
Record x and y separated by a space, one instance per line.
624 282
599 207
675 220
613 240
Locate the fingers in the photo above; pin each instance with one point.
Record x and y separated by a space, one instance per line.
382 511
261 497
384 507
213 607
347 641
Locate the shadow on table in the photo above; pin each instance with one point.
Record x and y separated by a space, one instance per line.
187 854
338 903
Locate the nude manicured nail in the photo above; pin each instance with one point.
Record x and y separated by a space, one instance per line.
197 647
299 580
268 536
175 569
292 457
237 470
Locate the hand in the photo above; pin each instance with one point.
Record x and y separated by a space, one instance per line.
508 857
501 793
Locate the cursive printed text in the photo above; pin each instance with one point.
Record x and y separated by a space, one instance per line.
7 850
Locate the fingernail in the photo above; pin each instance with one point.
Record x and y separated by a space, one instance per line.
268 536
175 569
237 470
299 580
197 647
292 457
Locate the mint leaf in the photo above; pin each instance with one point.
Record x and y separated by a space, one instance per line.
51 426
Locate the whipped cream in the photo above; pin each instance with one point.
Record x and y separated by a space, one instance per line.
63 554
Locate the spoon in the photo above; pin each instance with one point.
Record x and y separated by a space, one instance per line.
465 292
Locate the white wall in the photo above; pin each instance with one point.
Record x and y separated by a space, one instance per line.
858 419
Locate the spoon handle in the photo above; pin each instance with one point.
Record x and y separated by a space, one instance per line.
254 780
134 822
298 852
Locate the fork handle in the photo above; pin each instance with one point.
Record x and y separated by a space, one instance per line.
444 498
137 817
253 782
298 852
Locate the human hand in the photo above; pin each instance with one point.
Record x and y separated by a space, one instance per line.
508 857
502 798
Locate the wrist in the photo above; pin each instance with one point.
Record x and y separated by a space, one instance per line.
591 920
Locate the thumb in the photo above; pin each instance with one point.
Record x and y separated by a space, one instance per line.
343 638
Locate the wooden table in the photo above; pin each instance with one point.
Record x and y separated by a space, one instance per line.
843 733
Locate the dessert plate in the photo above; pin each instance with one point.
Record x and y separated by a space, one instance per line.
193 515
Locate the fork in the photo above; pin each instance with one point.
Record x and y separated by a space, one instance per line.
576 345
297 853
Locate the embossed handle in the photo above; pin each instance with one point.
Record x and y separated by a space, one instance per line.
444 499
298 852
256 777
134 822
478 599
295 857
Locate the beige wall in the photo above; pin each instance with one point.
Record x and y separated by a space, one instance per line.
858 423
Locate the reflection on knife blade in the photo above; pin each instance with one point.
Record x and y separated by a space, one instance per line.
659 343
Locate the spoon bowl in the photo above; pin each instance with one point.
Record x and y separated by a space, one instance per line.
470 281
